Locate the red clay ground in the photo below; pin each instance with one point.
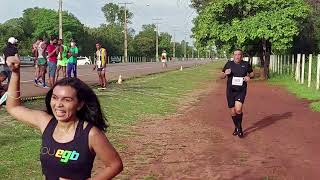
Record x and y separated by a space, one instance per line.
282 140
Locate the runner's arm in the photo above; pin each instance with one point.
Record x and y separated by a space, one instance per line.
225 71
35 118
99 143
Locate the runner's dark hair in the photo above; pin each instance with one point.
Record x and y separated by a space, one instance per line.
91 110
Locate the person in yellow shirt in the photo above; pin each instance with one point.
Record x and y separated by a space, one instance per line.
100 65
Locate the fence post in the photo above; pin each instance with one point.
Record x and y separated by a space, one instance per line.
298 67
278 63
310 70
288 64
281 64
271 62
292 64
302 68
318 72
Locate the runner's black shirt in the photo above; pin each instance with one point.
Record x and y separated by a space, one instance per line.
237 70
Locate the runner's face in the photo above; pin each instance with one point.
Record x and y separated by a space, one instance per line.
98 46
64 103
237 56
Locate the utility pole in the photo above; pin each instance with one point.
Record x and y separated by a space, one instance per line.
157 37
125 32
175 29
60 19
185 46
174 45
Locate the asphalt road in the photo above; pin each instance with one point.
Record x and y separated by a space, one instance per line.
85 73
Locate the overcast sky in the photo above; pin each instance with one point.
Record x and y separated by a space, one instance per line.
175 14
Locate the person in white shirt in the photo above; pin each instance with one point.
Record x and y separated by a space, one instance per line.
164 59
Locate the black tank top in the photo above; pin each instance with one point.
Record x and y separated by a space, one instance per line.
72 160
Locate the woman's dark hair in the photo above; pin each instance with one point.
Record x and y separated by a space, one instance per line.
91 110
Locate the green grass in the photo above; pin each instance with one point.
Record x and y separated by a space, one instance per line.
300 90
137 99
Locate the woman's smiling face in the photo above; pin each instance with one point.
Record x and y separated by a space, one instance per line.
64 103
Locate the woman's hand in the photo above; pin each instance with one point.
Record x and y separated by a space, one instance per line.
13 63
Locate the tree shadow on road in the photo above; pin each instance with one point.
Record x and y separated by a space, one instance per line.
266 121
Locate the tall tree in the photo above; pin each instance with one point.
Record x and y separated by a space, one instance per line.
114 13
144 41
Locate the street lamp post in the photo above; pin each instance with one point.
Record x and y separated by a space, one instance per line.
60 19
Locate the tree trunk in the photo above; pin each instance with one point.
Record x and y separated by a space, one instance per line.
265 58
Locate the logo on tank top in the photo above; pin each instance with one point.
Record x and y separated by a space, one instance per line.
64 155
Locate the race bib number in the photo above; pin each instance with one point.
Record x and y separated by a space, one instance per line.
237 81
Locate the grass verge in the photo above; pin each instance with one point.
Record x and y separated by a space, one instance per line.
300 90
151 96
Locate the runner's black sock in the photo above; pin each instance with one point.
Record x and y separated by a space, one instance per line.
239 120
234 119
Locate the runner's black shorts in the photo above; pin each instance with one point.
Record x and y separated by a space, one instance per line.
233 96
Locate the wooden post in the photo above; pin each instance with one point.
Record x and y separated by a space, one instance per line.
288 64
281 63
278 64
318 72
298 67
310 72
292 65
302 68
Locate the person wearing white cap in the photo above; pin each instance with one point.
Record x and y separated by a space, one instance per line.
10 50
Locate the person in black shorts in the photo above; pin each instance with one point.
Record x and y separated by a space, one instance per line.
72 126
239 72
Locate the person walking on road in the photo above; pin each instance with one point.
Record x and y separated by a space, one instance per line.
62 59
72 61
72 127
239 73
164 59
101 63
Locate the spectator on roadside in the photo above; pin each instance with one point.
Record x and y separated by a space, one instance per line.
52 59
101 63
35 59
42 64
3 87
62 59
72 61
10 50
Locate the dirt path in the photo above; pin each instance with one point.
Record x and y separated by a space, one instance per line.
282 140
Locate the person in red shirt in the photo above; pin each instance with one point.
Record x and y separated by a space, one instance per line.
52 60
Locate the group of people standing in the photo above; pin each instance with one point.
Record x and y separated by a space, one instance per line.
57 57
